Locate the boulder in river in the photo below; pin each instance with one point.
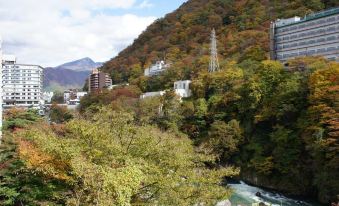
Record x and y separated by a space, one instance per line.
258 194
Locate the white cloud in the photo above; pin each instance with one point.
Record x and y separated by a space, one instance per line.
51 32
145 4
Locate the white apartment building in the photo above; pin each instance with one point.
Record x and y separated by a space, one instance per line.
156 69
22 83
314 35
182 88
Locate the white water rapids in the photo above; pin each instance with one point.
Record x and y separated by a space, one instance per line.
245 195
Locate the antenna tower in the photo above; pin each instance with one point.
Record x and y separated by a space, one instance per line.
214 63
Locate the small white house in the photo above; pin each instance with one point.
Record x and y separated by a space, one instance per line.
74 95
152 94
117 85
156 69
74 102
81 94
67 96
182 88
47 96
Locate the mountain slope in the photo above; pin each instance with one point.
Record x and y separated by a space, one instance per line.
85 64
69 75
182 37
60 79
243 37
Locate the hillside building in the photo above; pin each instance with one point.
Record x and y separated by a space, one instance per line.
152 94
73 96
156 69
98 80
316 34
118 86
47 97
182 88
22 83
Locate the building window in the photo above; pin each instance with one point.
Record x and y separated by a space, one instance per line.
311 52
321 40
303 53
331 19
331 48
321 50
331 38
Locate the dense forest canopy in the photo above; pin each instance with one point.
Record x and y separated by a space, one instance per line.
106 158
252 113
280 126
182 37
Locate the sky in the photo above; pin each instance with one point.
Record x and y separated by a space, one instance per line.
53 32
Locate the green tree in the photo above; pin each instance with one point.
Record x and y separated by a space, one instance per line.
19 118
18 186
58 98
111 161
170 115
224 139
60 114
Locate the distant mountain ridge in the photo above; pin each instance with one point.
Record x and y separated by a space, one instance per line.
84 64
69 75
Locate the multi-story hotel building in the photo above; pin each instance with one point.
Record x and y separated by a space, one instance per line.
98 80
316 34
22 83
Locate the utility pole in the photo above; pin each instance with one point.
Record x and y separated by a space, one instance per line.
214 63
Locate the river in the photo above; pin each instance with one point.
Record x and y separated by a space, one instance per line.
246 195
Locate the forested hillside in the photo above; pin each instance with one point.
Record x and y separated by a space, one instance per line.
280 126
182 37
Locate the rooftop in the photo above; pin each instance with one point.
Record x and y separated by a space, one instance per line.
310 17
28 65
